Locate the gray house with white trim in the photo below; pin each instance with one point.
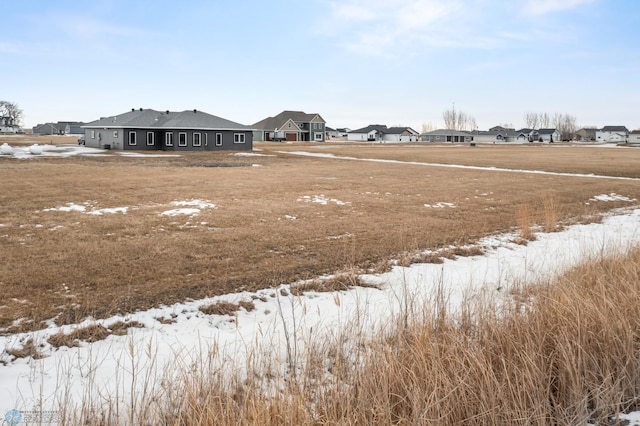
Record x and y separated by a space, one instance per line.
446 135
291 126
148 129
612 134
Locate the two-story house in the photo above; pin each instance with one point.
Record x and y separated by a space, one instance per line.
291 126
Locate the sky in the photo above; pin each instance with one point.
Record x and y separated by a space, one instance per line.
354 62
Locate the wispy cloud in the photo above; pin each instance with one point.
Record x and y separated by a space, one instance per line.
378 26
542 7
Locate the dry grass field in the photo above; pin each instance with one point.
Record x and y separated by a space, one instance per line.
291 218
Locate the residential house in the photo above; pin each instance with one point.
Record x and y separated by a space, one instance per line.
340 133
530 135
612 134
586 134
549 135
381 133
634 137
371 133
147 129
446 135
48 129
501 129
291 126
71 127
7 125
500 136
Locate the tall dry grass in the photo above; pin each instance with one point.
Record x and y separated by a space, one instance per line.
565 352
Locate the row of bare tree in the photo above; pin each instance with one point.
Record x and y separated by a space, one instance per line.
564 123
459 120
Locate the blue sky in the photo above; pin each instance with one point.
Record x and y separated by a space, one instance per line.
355 62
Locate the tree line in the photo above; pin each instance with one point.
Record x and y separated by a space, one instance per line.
454 119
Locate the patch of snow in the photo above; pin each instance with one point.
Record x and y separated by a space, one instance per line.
183 211
113 210
456 166
441 205
612 197
251 154
70 207
322 199
194 203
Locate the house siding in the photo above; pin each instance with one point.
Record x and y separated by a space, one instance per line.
103 138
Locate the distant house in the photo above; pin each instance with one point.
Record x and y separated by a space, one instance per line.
634 136
586 135
503 136
71 127
612 134
446 135
291 126
48 129
549 135
340 133
147 129
7 125
529 134
382 133
501 129
59 128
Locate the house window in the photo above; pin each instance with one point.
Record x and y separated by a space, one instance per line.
132 138
168 139
196 139
150 138
238 138
93 134
218 139
115 134
182 139
317 136
206 139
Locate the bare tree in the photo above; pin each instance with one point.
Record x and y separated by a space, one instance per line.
531 120
458 120
11 109
566 125
427 127
544 120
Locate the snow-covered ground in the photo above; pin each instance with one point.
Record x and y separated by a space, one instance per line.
181 333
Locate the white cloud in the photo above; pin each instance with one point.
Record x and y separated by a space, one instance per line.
542 7
377 26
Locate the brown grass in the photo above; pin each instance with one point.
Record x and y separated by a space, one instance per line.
89 334
220 308
524 223
339 282
28 349
69 265
570 355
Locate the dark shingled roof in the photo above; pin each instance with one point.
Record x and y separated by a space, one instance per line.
151 119
614 129
272 123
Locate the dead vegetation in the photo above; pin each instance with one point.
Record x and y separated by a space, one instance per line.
566 352
227 308
292 219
